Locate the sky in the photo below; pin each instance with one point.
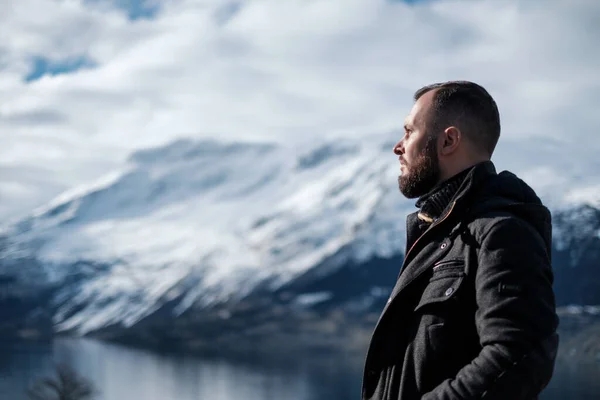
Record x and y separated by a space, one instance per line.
83 83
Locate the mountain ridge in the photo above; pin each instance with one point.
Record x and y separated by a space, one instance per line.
202 225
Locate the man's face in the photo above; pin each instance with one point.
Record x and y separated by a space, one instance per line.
417 151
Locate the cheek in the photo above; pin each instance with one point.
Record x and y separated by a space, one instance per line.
413 151
409 153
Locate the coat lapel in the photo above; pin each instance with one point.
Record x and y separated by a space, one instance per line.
417 265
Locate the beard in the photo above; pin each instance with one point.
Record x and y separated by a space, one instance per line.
423 174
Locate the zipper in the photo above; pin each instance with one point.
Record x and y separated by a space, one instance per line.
425 233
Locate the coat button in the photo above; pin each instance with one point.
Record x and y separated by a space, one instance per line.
449 291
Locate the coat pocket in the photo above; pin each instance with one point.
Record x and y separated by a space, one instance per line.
442 287
455 263
435 336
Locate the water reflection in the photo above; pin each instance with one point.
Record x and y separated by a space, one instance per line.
125 373
574 378
18 364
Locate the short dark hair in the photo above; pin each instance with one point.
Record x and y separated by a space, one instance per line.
467 106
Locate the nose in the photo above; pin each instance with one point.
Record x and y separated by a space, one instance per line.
399 148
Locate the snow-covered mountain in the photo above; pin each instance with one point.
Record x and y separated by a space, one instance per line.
199 225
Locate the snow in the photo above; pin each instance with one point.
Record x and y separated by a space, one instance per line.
207 222
311 299
76 193
584 195
573 227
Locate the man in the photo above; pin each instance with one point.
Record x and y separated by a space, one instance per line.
472 314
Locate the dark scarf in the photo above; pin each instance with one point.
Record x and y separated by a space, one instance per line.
433 203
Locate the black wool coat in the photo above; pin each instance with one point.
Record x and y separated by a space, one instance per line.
472 314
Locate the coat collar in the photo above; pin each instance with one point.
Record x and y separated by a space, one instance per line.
478 175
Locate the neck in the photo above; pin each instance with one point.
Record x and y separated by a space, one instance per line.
460 166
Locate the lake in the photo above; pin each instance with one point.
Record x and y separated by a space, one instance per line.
121 373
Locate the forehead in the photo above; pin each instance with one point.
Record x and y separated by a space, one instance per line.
420 110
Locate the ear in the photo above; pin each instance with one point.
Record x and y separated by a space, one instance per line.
450 140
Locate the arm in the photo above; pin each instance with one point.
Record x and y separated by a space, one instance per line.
515 319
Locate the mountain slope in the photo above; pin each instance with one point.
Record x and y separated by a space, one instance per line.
202 222
241 229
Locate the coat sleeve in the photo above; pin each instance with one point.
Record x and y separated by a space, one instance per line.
516 319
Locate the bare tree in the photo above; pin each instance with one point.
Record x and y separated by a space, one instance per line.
65 385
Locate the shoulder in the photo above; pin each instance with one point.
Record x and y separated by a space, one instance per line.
503 226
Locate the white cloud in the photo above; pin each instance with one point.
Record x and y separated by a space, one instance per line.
281 70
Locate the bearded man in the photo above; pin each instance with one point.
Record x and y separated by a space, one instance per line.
472 314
